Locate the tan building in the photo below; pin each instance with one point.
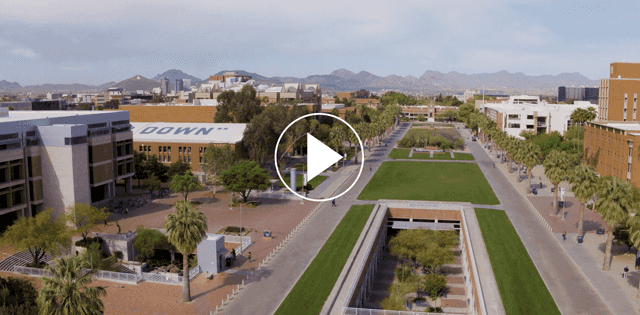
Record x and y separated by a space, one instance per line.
429 111
618 94
615 146
347 95
186 113
55 159
171 142
370 102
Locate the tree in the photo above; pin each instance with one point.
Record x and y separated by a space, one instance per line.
217 160
244 177
555 168
185 184
154 167
337 137
531 158
112 104
261 135
420 117
335 112
152 184
18 297
9 108
185 230
39 234
68 290
238 107
178 168
621 234
583 179
139 166
434 285
84 106
98 259
84 217
614 203
148 240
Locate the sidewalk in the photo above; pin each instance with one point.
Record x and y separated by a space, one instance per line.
611 294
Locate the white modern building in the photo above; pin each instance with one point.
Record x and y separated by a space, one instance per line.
55 159
525 112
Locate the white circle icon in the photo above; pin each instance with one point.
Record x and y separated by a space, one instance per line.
321 149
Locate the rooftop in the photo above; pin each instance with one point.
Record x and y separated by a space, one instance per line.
188 132
620 125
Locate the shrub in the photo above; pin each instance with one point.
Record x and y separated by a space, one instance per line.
432 309
403 276
39 265
89 241
17 296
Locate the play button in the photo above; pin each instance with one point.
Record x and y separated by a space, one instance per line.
319 157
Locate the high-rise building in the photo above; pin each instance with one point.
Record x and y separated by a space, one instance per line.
178 86
577 94
55 159
618 94
186 84
164 85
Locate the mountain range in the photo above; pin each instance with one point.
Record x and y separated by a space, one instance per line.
345 80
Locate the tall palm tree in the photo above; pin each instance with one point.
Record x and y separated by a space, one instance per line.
531 158
519 155
583 179
614 204
185 230
556 165
337 137
512 148
66 292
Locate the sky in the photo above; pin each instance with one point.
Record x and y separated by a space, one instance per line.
95 42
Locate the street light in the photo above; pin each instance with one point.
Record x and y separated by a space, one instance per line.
241 236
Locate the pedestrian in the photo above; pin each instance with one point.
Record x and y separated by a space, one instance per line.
370 168
249 256
333 203
233 253
564 235
626 270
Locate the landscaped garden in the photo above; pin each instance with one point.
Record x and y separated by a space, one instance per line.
404 154
513 267
462 182
315 285
423 254
441 138
434 125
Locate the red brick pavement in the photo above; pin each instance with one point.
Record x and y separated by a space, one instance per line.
591 220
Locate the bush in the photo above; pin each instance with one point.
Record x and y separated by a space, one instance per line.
434 309
39 265
403 276
17 296
90 240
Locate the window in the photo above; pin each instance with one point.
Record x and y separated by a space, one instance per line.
200 159
513 116
141 148
189 159
169 149
179 149
630 151
160 158
529 126
189 150
184 159
512 125
529 116
168 158
164 158
159 148
200 149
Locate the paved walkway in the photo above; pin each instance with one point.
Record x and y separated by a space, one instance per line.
272 284
568 286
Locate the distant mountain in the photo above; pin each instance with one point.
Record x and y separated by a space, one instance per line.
345 80
9 86
174 74
137 82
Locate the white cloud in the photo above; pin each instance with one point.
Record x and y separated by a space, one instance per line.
25 52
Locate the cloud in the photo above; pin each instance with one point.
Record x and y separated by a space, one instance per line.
25 52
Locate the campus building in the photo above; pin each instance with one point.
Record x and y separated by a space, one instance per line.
428 111
187 142
529 113
578 94
55 159
614 146
618 94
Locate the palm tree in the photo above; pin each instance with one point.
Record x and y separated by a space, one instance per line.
337 137
519 155
512 149
66 292
531 158
185 230
614 204
583 179
555 168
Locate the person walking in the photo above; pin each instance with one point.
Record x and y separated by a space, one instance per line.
370 168
333 202
626 270
233 253
564 235
249 256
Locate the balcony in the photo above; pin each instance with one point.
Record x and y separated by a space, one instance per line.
541 124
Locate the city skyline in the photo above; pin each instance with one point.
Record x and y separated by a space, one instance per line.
77 42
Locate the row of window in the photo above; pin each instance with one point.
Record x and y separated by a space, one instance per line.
167 159
167 149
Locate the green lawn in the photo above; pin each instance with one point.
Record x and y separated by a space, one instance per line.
521 288
419 132
429 181
437 125
404 154
315 285
314 182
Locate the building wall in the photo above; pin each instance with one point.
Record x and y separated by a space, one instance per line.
172 114
624 70
65 176
615 156
161 150
612 98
